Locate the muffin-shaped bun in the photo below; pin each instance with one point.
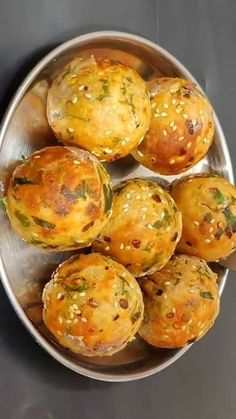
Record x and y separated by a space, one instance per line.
92 305
144 229
181 303
60 198
100 105
181 129
208 205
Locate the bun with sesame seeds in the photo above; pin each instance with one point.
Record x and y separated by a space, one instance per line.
92 305
100 105
144 228
59 199
208 206
181 303
181 129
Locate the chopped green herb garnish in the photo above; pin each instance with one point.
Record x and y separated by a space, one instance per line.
218 196
106 89
129 79
230 218
80 118
207 217
3 202
43 223
233 200
206 294
135 316
35 242
72 196
108 197
24 159
165 220
19 181
22 218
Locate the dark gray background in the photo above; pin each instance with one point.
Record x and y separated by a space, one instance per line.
202 384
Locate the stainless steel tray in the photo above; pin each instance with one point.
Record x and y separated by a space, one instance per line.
24 269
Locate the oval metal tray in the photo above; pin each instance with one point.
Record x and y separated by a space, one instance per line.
24 269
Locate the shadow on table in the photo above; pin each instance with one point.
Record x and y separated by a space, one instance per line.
18 344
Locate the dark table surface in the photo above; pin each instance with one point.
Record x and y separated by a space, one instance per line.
202 384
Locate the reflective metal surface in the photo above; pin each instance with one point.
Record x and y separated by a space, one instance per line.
24 269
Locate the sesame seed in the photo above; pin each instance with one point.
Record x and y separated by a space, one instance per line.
149 195
185 115
164 132
74 99
75 296
70 129
212 221
107 150
196 223
190 180
162 215
156 115
211 229
60 320
182 102
81 87
164 296
121 246
174 128
114 285
177 110
59 295
71 315
183 327
140 154
144 217
37 157
126 206
88 96
192 291
172 161
152 94
107 248
84 320
150 226
76 161
190 321
207 240
127 247
172 123
164 114
167 282
181 138
206 141
108 132
82 294
144 209
189 144
78 312
201 112
128 195
153 105
75 321
174 101
115 304
168 229
138 197
68 321
173 310
166 106
123 142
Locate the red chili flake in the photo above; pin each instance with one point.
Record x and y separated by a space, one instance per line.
174 238
182 152
116 317
189 243
85 87
106 239
156 198
87 226
92 330
170 315
136 243
92 302
159 291
124 303
190 127
191 341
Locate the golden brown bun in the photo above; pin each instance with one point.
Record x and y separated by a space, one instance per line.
181 129
144 229
60 198
92 305
100 105
208 206
181 303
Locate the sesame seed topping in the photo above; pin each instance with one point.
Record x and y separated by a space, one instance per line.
115 304
126 206
183 327
68 321
107 150
211 229
174 128
60 320
121 246
177 110
182 102
139 153
164 132
207 240
76 161
144 209
173 310
138 197
81 87
206 141
144 217
172 123
181 138
149 195
166 106
196 223
127 247
128 195
164 114
174 101
153 105
167 282
75 321
168 229
185 115
82 294
107 248
70 129
74 99
108 132
59 295
88 96
190 321
75 296
71 315
201 112
164 296
189 144
172 161
114 285
150 226
84 320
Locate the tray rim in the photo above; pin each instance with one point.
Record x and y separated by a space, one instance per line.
3 127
